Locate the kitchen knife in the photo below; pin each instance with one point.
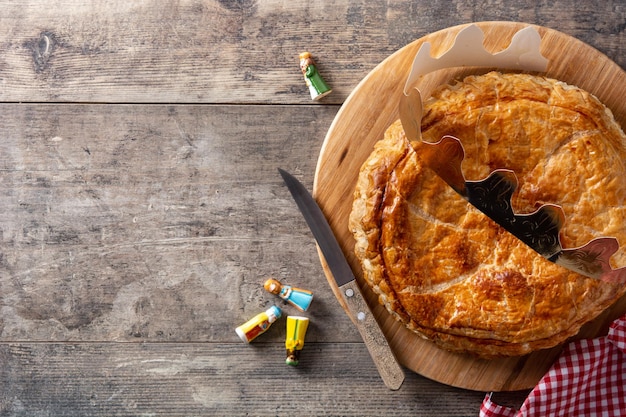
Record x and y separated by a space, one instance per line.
388 367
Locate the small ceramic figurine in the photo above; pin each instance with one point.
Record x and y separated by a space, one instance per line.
258 324
294 342
299 298
312 77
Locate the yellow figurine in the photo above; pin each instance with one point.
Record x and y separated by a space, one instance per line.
294 342
312 77
299 298
258 324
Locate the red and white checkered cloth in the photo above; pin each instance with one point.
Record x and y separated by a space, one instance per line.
587 380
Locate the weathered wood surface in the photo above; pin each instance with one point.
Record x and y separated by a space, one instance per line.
137 225
242 51
116 227
154 379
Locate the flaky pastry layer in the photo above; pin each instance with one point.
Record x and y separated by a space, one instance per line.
454 276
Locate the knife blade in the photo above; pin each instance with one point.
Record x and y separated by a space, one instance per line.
388 367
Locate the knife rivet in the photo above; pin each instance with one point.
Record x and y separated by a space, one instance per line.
349 292
360 316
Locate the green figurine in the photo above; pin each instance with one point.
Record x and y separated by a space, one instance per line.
312 77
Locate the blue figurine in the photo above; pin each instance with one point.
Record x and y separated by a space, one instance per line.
299 298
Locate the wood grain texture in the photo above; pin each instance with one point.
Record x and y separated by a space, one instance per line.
193 379
361 123
388 366
137 225
242 51
114 227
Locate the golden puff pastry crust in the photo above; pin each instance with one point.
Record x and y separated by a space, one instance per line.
454 276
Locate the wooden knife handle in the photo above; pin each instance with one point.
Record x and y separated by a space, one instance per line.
388 367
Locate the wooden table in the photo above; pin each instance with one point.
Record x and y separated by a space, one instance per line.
141 209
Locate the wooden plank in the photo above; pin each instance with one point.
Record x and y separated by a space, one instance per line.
128 229
239 51
182 379
155 223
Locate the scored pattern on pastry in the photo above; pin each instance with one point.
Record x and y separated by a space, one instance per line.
539 229
457 278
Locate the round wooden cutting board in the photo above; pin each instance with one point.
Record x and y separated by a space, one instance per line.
362 121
